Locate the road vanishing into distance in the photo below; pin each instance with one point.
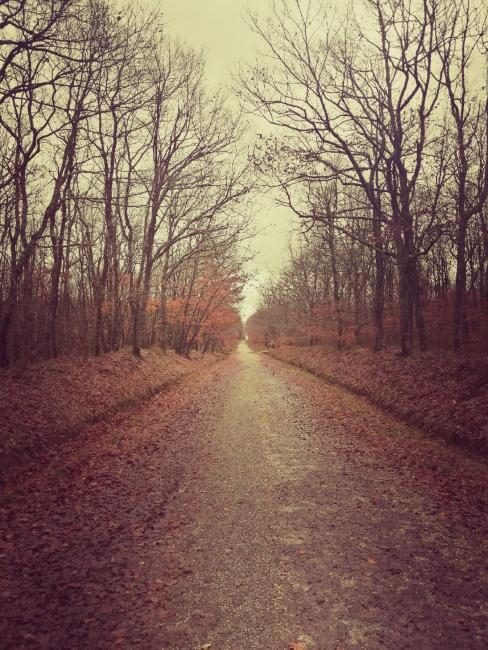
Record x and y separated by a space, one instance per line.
250 506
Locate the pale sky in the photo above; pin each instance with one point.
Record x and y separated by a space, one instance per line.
219 28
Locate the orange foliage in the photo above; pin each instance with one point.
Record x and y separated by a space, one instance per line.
208 310
152 306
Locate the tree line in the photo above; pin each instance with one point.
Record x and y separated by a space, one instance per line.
122 183
379 145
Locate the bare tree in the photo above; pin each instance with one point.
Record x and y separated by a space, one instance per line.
464 33
361 107
194 176
34 116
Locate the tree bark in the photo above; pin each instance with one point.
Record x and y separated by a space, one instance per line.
379 286
460 286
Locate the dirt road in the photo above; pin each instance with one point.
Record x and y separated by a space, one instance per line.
251 507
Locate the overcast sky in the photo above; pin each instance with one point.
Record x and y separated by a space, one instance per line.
219 28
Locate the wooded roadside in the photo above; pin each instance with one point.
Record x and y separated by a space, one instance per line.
48 402
445 396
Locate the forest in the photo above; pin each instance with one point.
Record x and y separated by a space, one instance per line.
379 146
124 179
122 184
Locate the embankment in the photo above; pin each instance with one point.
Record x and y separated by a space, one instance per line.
51 401
445 395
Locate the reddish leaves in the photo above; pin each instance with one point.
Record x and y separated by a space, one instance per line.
447 395
57 398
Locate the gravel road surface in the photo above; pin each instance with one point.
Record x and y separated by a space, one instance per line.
252 506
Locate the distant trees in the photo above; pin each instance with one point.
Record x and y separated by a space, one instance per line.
203 311
383 115
119 172
461 51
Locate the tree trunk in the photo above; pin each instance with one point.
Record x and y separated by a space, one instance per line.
416 290
5 333
139 312
379 286
336 289
57 246
136 329
404 300
163 318
460 286
9 314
